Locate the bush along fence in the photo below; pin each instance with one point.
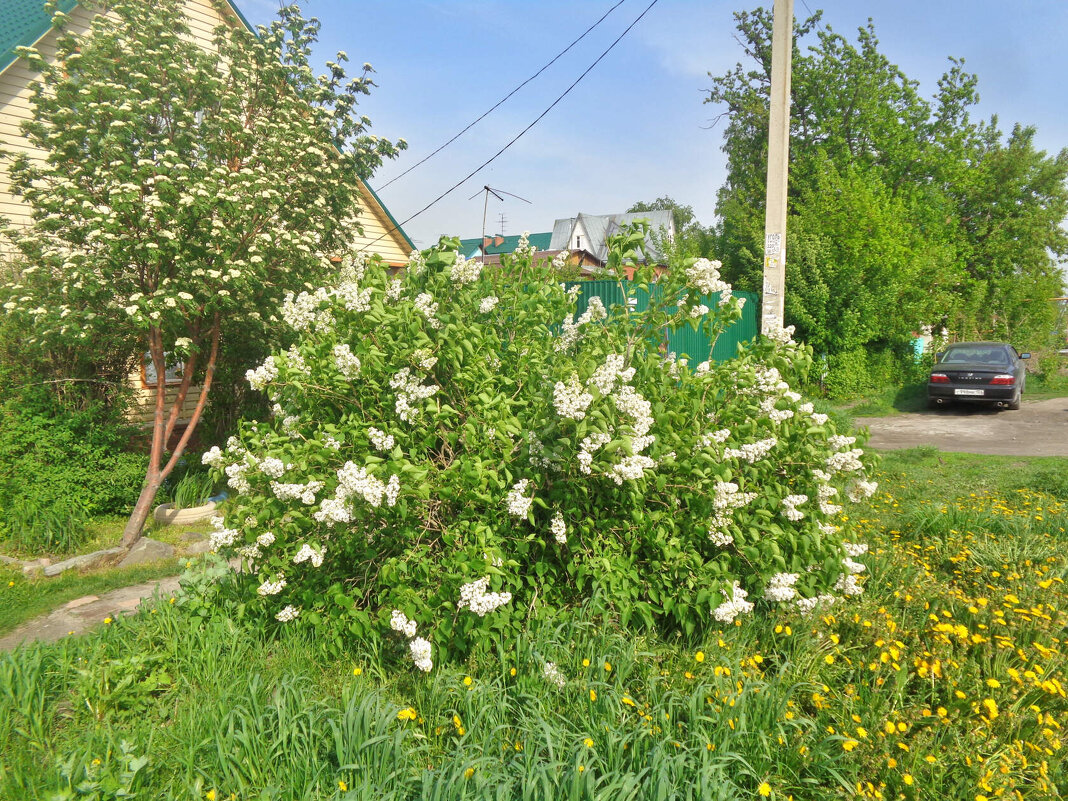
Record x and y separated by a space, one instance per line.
690 341
458 450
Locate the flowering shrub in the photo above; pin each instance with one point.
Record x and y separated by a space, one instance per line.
453 450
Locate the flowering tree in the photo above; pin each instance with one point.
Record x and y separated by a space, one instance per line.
454 448
185 190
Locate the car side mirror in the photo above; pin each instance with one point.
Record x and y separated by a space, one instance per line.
1025 355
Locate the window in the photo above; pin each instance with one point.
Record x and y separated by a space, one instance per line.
173 374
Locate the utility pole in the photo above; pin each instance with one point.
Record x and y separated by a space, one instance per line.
782 39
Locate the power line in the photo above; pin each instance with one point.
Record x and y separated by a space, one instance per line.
503 99
519 135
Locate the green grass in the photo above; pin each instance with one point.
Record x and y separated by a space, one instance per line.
23 598
945 679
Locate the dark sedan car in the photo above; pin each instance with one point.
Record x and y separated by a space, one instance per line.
978 372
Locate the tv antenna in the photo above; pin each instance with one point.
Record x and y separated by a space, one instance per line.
487 190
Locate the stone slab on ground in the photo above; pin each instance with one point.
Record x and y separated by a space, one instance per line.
147 550
81 614
86 561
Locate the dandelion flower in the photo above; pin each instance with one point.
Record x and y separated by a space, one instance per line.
764 790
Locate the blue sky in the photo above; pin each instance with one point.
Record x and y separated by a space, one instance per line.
636 127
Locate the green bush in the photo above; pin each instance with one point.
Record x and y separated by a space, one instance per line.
458 449
61 466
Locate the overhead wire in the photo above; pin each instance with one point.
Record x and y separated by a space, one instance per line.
500 102
518 136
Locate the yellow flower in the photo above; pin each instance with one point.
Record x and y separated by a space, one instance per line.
994 683
991 708
11 584
593 695
467 681
849 745
356 671
511 672
341 785
407 714
469 773
585 662
829 659
588 742
107 620
931 758
698 657
210 795
628 701
907 778
891 763
607 667
764 790
582 768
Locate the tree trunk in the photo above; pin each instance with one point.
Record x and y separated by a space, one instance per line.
163 426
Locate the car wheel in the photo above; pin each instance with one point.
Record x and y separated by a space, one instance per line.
1014 404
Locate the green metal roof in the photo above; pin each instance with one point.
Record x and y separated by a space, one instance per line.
23 22
510 243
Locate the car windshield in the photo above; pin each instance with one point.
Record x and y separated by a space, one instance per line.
976 354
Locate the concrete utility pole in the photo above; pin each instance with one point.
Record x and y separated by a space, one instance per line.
782 39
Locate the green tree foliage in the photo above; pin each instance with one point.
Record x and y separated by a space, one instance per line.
896 202
185 191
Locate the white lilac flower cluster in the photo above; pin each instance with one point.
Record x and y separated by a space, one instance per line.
291 492
855 549
409 391
714 438
847 584
395 290
700 310
860 489
734 605
309 554
780 588
465 271
488 304
606 376
416 264
380 439
221 537
551 673
571 330
418 648
751 452
776 333
726 499
213 457
428 307
272 587
287 613
768 408
824 493
631 468
347 363
272 467
630 402
558 528
473 596
560 259
570 400
809 605
704 277
304 310
236 478
790 504
354 480
352 297
265 540
263 375
295 361
590 444
331 443
845 461
517 501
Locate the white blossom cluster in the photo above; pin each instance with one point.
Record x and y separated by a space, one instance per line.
263 375
409 391
631 468
700 310
399 622
295 361
608 374
287 613
570 400
395 290
428 307
213 457
704 277
424 359
630 402
853 566
860 489
473 596
571 330
265 540
465 271
558 528
517 501
845 461
551 673
347 362
272 587
847 584
380 439
221 537
824 493
416 264
590 444
780 588
790 504
839 441
776 333
236 478
309 554
418 648
272 467
560 259
751 452
715 437
353 297
304 310
733 606
354 480
488 304
809 605
291 492
855 549
726 499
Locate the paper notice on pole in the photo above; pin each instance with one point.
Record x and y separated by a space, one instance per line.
772 244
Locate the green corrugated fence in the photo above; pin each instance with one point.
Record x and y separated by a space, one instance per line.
684 341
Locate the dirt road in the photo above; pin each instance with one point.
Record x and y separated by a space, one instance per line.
1040 428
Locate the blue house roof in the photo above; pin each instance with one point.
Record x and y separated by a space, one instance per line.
472 247
23 22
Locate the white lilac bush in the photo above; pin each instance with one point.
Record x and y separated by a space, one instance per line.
455 449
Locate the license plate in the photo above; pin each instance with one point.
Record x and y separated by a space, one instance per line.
973 392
